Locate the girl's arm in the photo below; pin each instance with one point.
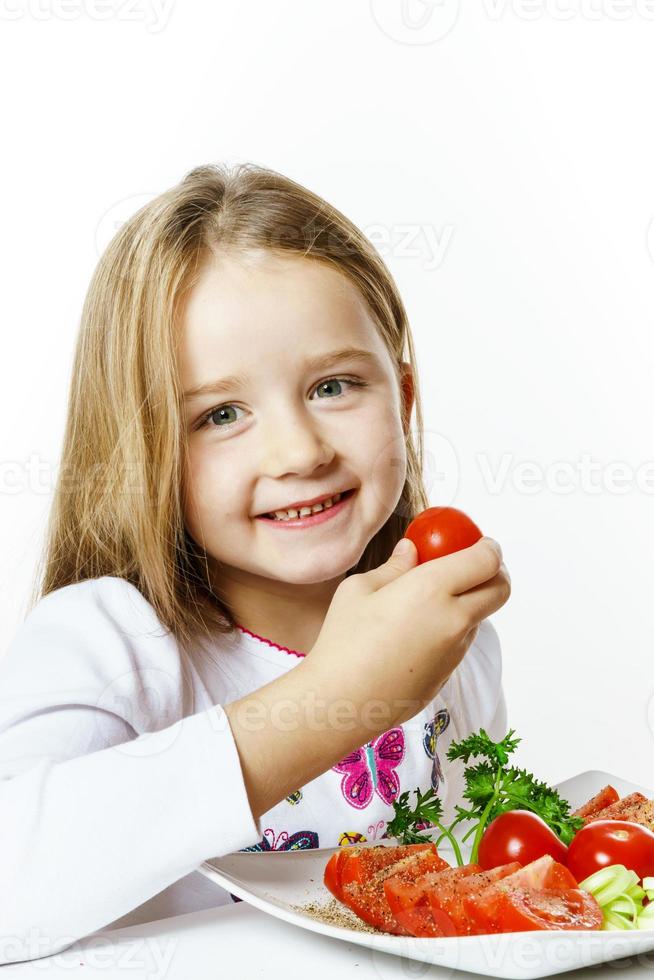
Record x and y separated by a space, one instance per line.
95 819
292 730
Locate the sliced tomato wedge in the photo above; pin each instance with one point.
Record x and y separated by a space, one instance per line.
606 797
545 872
362 862
331 876
528 909
542 895
368 899
447 904
409 903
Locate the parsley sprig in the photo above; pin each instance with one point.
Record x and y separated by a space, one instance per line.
491 787
428 808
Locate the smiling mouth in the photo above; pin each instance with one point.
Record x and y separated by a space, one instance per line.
298 517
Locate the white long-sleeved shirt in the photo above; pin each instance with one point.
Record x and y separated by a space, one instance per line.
119 773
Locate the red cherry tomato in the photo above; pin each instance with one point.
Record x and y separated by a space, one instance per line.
519 835
605 842
440 531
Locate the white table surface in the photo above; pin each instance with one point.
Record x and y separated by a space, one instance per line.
238 942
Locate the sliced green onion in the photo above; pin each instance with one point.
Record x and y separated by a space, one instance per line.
624 881
607 884
646 918
637 893
620 895
648 885
624 905
600 878
613 920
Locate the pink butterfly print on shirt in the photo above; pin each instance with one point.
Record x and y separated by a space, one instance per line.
371 769
375 830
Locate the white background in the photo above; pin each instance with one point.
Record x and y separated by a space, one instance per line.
501 156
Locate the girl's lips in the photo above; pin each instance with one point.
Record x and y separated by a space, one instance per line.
312 519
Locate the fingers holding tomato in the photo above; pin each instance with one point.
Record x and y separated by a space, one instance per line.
443 532
440 531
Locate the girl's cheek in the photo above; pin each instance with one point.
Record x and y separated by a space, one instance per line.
220 485
388 466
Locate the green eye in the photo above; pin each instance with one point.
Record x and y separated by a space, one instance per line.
348 381
224 410
331 383
220 410
227 423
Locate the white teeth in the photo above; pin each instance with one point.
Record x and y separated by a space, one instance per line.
290 515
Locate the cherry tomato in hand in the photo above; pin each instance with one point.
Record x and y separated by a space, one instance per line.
440 531
519 835
605 842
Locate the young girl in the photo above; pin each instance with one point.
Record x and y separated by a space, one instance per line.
203 668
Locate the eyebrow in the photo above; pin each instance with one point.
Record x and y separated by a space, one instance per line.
223 385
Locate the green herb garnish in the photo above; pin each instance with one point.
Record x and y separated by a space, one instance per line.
492 787
428 808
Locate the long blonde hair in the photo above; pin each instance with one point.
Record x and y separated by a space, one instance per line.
117 507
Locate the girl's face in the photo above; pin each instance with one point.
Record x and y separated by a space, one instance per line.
286 421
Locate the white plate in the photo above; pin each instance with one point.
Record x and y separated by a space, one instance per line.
276 881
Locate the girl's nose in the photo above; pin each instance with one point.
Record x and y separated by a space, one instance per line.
295 444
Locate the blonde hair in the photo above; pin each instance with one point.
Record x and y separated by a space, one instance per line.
118 504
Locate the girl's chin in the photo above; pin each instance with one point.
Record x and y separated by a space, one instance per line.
312 569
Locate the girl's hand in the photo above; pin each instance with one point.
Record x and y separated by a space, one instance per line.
393 635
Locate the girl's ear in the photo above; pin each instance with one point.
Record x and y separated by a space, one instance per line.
406 381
